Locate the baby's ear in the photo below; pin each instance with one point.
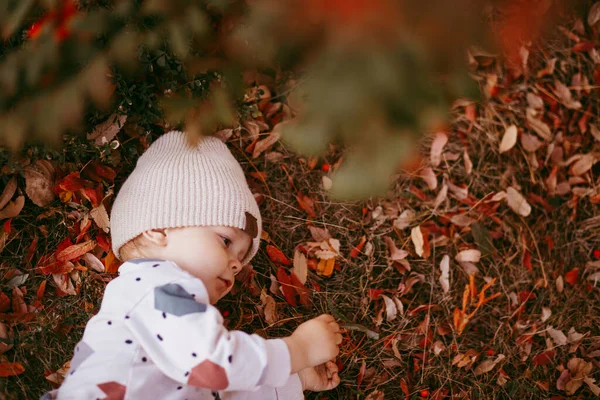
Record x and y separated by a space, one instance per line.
157 237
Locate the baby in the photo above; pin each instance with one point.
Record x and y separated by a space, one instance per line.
185 223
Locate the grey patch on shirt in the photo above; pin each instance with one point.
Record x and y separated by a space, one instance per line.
81 354
174 299
50 395
137 261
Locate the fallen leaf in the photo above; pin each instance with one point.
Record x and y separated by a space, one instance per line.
404 220
594 14
468 162
300 266
417 238
530 143
470 255
539 127
543 358
583 164
560 284
100 217
75 251
8 192
356 250
277 255
572 277
19 306
307 204
303 291
509 139
266 143
269 306
319 234
546 313
548 69
517 202
394 252
564 95
437 146
11 369
534 101
286 287
91 261
107 130
390 308
13 208
429 177
6 338
38 185
595 132
591 384
488 365
445 273
375 395
559 338
441 196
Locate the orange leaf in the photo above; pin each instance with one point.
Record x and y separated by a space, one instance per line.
358 248
302 290
41 290
71 182
307 204
58 267
111 264
313 264
572 276
103 241
286 287
544 358
11 369
583 46
327 269
277 256
76 251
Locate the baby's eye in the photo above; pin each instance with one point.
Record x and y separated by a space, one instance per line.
226 241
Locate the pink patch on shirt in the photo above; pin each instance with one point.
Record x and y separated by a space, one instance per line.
208 375
113 390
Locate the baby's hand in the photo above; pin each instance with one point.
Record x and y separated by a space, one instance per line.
314 342
320 378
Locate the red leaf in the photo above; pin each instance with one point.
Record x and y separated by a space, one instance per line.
527 261
4 302
71 182
11 369
83 231
58 267
6 226
307 204
544 358
582 46
76 251
63 245
286 287
374 293
31 249
103 241
572 276
92 195
104 171
277 256
526 295
358 248
41 290
302 290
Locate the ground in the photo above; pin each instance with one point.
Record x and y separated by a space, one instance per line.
513 208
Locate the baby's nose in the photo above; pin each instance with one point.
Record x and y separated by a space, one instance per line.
236 265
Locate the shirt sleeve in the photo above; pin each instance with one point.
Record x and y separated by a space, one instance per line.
185 337
291 390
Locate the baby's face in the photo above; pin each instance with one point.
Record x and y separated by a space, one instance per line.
211 253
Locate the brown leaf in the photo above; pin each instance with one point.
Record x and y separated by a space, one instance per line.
100 217
539 127
583 164
91 261
107 130
319 234
509 139
437 146
394 252
8 192
517 202
13 208
269 307
534 101
18 301
594 14
266 143
429 177
417 238
530 143
470 255
445 273
488 365
307 204
76 250
564 95
64 284
38 186
300 266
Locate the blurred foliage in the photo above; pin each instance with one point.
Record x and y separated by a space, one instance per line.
371 75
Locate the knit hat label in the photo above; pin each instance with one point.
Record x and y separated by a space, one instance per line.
251 225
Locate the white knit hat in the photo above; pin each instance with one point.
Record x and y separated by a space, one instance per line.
175 184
